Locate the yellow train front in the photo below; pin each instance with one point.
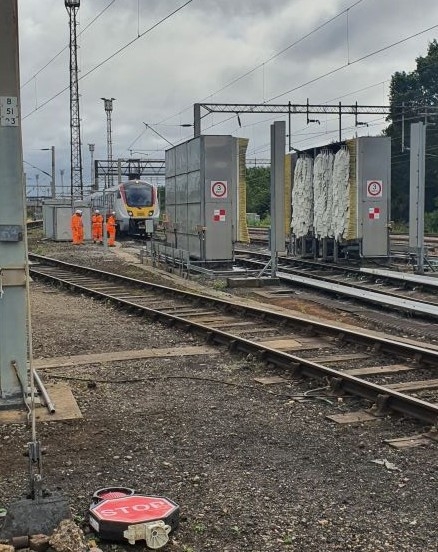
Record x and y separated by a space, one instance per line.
135 203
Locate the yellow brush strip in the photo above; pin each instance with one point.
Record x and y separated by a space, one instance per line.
243 233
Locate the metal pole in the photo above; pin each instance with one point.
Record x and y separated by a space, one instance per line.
62 171
92 183
105 237
13 251
37 208
53 183
416 199
340 122
278 242
196 120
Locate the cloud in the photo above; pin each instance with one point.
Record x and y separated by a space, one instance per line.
195 55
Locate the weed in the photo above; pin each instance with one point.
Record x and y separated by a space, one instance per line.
220 285
199 528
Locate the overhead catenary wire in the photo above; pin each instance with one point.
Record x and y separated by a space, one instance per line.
266 61
66 46
358 60
113 55
333 71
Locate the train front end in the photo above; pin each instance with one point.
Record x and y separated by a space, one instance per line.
142 207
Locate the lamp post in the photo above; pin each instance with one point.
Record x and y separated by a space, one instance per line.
61 172
93 186
37 176
53 181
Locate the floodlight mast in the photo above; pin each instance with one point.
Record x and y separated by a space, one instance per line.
76 183
108 104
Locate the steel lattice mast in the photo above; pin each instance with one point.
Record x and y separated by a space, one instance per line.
108 103
76 187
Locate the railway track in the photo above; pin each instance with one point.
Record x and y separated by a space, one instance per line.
416 295
261 235
392 374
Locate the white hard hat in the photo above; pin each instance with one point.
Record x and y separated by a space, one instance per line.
97 211
113 213
78 212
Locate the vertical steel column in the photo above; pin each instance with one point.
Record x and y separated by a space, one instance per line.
13 298
416 192
53 182
278 240
196 120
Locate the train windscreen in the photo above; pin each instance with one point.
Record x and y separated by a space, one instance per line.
139 195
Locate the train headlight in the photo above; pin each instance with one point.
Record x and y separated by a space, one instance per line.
151 213
130 213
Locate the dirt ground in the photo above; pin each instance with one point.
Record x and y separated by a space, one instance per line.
251 468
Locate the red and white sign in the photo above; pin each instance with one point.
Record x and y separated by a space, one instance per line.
374 188
219 189
219 215
134 509
374 213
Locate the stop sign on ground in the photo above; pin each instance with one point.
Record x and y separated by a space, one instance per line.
134 509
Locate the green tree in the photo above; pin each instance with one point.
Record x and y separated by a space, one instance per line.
418 91
258 190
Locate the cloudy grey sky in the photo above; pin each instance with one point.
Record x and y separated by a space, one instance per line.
210 51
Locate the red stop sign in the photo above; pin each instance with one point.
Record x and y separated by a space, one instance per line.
134 509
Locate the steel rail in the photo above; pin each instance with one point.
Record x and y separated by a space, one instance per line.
408 281
407 350
394 400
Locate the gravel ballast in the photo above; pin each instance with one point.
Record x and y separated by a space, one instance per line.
251 468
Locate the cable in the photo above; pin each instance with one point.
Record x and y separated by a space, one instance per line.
65 47
333 71
353 62
111 56
306 395
249 72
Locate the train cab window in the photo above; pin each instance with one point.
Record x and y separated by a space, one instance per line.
137 196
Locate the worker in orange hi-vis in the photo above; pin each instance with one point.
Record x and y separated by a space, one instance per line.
97 226
77 228
111 229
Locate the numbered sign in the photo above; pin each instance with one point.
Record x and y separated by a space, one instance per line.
219 189
374 188
8 111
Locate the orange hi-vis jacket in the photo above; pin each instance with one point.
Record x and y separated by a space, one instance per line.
77 229
111 229
97 227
